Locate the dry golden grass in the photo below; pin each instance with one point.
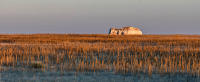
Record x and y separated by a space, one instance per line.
146 53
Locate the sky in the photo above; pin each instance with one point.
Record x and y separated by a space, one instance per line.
97 16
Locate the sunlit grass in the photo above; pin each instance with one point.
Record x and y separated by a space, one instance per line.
120 54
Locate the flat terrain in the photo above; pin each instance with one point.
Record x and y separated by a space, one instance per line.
57 38
146 54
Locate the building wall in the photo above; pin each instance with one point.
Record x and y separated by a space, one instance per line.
125 31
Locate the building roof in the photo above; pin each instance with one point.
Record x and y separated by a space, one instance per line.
131 28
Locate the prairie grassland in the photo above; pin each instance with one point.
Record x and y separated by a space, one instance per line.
120 54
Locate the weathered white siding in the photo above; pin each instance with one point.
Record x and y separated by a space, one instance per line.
125 31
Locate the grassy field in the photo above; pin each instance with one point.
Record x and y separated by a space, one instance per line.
82 53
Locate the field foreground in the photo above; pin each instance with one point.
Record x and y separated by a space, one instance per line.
148 54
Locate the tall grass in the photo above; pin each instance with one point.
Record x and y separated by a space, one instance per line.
120 54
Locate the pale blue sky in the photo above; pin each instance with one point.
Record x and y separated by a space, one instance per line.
97 16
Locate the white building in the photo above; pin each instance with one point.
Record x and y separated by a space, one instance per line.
125 31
